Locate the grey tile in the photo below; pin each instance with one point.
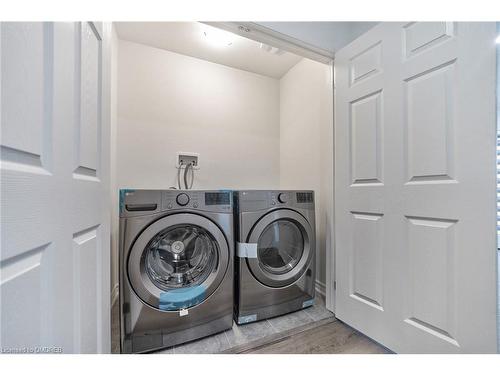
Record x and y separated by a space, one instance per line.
239 334
318 311
115 348
249 332
289 321
115 328
207 345
165 351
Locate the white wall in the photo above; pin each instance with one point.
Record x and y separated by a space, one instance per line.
306 143
251 131
169 102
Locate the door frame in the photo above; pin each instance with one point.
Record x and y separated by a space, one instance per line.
498 129
266 35
104 29
263 34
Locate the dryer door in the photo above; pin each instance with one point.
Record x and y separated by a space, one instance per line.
285 247
178 261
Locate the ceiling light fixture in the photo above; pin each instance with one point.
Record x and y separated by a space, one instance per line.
271 49
218 37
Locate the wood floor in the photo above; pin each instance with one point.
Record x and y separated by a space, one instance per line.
328 336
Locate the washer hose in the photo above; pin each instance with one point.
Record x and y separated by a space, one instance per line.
179 175
189 166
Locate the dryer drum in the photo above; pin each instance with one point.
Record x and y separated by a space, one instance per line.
285 246
280 246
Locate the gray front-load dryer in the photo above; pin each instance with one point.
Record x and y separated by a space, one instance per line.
275 248
176 266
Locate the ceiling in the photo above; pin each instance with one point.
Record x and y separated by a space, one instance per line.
330 36
188 38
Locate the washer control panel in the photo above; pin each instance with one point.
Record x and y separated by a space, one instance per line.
215 201
282 197
182 199
146 202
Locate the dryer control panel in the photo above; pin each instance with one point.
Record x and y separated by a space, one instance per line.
256 200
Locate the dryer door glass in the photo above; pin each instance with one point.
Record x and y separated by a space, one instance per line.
181 256
280 247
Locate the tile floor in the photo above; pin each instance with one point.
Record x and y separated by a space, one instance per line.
312 330
239 335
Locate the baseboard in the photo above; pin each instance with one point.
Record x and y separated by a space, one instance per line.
320 288
114 294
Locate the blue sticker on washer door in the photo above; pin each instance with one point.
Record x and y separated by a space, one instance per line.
307 303
181 298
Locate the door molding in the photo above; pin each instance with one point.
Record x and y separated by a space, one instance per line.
263 34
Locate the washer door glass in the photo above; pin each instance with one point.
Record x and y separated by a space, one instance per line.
178 261
181 256
280 247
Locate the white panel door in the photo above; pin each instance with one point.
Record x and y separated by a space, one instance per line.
415 186
54 270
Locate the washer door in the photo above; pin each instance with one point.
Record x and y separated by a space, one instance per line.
285 246
177 256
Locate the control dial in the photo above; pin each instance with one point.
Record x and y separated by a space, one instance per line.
182 199
283 197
